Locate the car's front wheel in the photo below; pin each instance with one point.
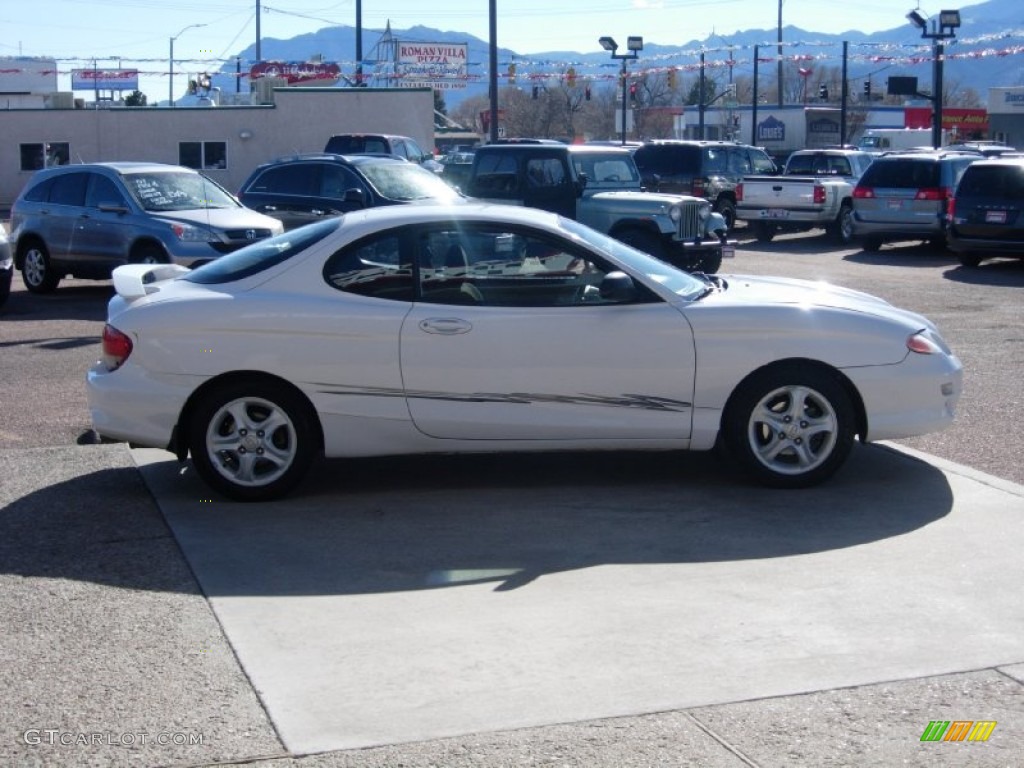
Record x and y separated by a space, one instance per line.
37 271
643 240
790 426
253 441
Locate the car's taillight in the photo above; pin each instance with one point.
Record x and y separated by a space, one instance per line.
863 193
950 208
739 192
697 187
116 347
819 194
931 193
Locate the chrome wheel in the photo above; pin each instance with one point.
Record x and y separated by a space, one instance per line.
251 442
792 430
36 271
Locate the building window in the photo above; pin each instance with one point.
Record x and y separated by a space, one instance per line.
203 155
36 156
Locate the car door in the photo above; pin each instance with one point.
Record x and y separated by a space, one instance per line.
61 214
549 185
511 339
103 231
288 192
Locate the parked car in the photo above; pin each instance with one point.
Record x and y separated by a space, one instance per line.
986 148
484 328
6 266
305 188
600 187
986 214
815 189
905 196
84 220
708 169
456 167
383 144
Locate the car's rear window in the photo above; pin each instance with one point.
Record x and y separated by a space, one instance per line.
903 173
668 159
356 145
262 255
1006 182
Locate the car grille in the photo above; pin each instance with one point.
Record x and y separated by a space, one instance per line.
690 226
246 235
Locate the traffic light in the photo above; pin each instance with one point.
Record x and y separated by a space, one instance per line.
671 79
632 92
823 92
867 88
586 92
570 77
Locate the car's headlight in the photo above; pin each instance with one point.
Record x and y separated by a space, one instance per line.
190 234
675 213
704 212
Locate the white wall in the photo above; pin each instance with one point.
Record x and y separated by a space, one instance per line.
301 120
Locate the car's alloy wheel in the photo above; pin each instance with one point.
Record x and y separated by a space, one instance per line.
252 441
36 270
790 426
727 208
843 227
150 254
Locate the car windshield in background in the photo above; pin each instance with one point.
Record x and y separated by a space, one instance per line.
611 167
177 192
262 255
406 182
681 283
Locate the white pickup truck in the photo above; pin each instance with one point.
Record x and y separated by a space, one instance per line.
814 190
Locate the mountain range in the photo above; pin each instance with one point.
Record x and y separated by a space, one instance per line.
988 51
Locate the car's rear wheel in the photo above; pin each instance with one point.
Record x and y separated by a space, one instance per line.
727 208
36 269
790 426
253 441
842 228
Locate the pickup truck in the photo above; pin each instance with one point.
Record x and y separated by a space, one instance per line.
814 190
600 186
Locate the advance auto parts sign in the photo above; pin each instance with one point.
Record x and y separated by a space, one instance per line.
435 65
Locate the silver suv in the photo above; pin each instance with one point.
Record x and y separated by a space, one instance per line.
708 169
84 220
905 196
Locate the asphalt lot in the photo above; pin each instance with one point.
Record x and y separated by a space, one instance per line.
113 633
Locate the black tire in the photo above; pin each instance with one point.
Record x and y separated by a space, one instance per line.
37 271
222 449
842 229
764 232
149 254
790 426
938 242
872 244
710 261
727 208
643 240
969 260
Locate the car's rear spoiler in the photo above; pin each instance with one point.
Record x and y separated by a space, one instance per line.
133 281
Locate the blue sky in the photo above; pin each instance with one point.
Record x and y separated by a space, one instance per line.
137 33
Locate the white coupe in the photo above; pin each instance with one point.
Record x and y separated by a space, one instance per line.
422 329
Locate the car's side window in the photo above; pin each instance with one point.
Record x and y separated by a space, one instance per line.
500 267
69 189
335 180
40 193
102 190
495 175
545 172
761 163
291 179
372 267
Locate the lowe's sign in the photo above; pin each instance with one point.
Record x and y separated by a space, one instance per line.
771 129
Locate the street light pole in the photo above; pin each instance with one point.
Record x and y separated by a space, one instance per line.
634 45
170 84
941 30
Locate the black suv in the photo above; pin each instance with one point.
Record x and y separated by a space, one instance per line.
382 144
305 188
986 214
708 169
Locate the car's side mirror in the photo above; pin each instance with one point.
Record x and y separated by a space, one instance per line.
355 195
617 287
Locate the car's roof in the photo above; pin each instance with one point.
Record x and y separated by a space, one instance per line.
696 143
331 157
122 166
436 212
576 149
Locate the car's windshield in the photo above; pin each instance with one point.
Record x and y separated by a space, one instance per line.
177 191
676 280
406 182
614 167
262 255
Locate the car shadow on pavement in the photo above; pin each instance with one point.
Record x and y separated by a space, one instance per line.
73 300
382 525
904 255
1000 272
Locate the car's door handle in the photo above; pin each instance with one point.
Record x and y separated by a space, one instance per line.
445 326
269 207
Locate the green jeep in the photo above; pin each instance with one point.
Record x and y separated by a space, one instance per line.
600 186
